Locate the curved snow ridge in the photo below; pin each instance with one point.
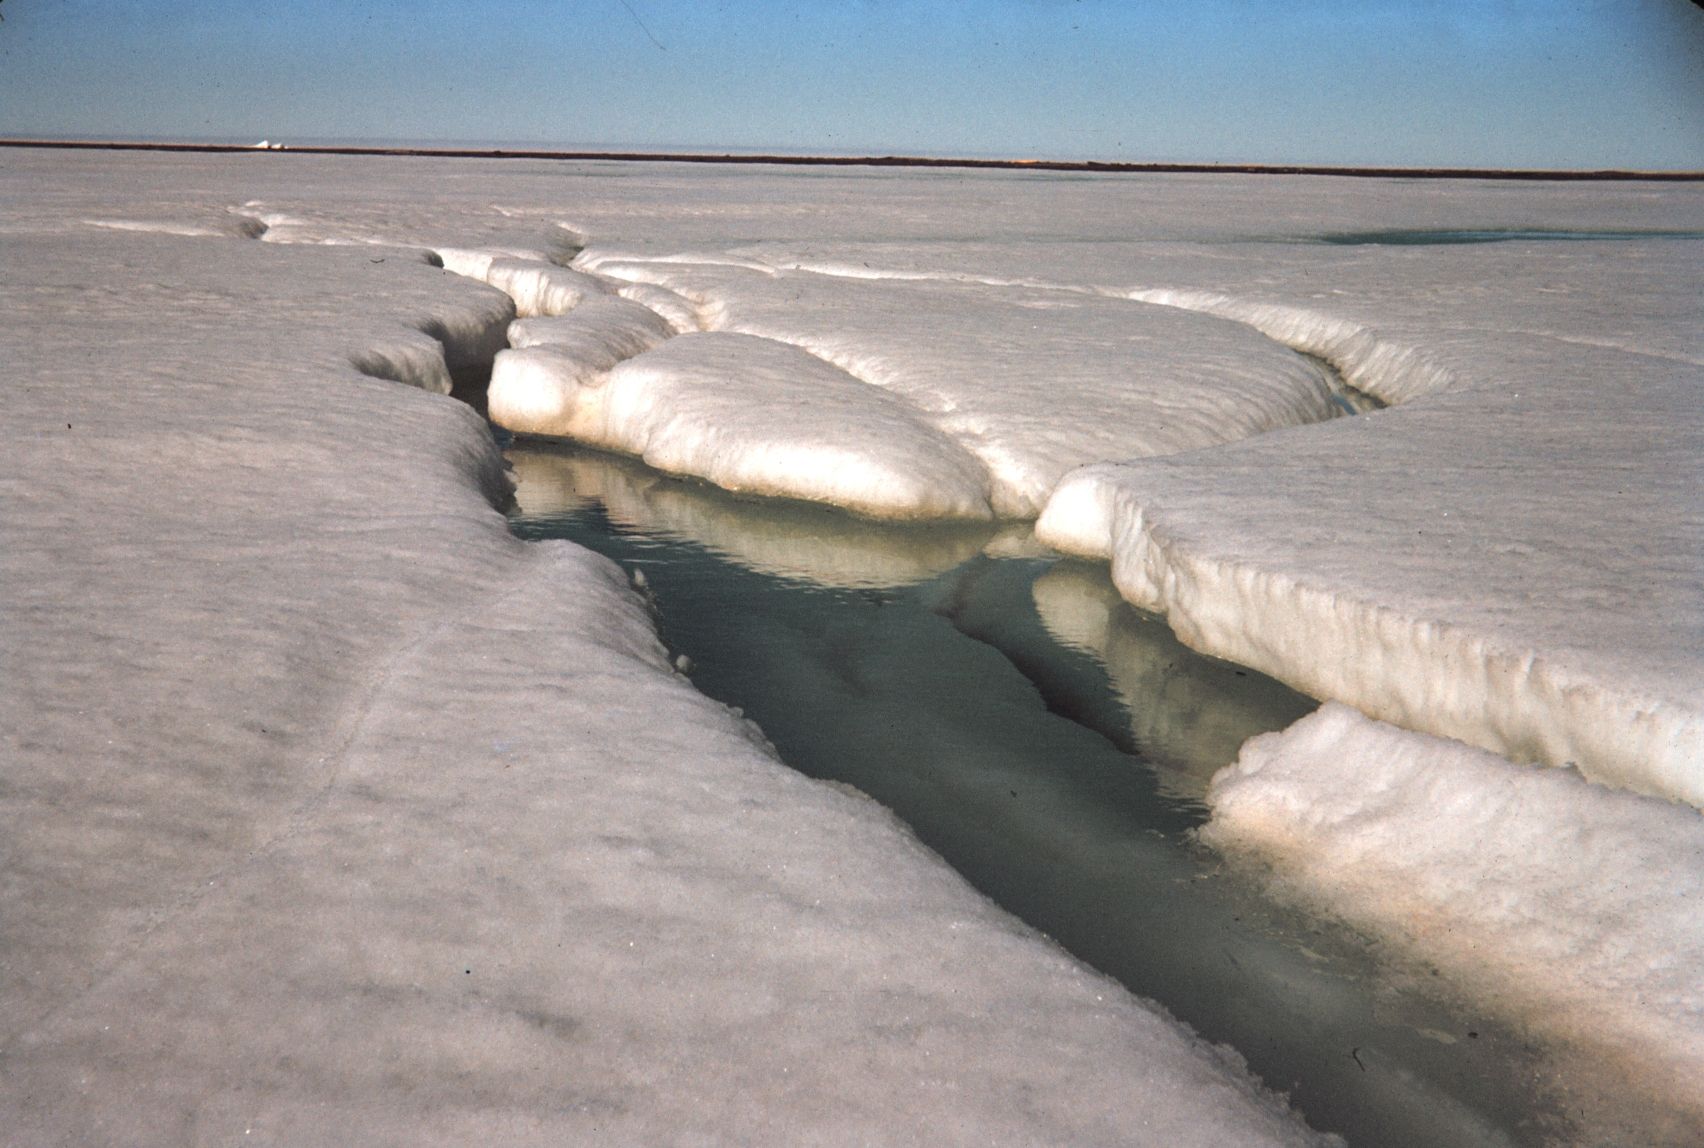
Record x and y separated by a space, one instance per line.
542 288
676 309
1573 910
544 383
1390 372
640 279
837 270
753 416
627 264
277 226
1425 675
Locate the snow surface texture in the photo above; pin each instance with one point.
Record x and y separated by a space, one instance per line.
333 812
1575 910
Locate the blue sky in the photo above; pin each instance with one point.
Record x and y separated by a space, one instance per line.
1504 83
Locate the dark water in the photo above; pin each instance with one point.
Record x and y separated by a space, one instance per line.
1053 745
1425 238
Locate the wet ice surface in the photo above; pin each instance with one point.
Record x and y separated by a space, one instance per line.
993 703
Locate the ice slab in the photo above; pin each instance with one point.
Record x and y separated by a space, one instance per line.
1424 565
753 416
1575 911
1032 382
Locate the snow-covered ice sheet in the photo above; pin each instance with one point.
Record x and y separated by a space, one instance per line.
1518 563
1574 911
330 810
1511 556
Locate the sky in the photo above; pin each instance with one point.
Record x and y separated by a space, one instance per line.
1475 83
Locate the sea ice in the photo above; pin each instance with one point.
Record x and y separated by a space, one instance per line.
242 576
1429 566
332 810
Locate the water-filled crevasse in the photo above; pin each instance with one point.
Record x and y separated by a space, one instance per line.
890 659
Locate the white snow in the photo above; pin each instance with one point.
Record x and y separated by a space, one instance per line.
1573 909
539 288
331 810
750 415
1030 382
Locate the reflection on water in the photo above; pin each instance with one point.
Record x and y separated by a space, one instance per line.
790 540
997 705
1185 715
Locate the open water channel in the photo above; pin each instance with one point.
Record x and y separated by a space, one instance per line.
1053 745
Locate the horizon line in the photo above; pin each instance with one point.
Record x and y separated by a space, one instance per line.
807 160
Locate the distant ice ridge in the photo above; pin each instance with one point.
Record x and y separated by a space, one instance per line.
1575 911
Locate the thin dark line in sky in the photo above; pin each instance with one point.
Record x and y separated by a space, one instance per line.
658 42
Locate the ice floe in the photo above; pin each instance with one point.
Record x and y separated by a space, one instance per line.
1571 909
